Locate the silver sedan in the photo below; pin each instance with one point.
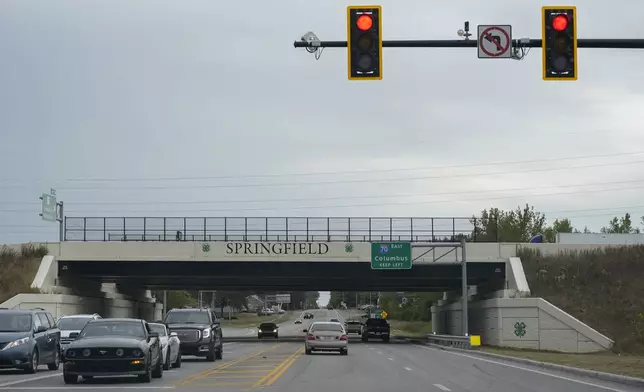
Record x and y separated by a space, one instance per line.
326 336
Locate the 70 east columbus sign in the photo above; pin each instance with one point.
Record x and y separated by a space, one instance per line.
390 255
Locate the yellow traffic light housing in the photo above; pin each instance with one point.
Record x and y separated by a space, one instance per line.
364 42
559 42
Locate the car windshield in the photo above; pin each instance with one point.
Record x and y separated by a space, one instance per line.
72 323
158 328
267 326
15 322
187 317
113 328
327 327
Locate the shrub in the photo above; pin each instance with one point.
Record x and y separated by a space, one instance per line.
18 269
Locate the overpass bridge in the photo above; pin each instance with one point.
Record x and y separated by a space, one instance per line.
271 253
131 255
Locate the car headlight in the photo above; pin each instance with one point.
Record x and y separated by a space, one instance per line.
119 352
275 330
137 352
205 333
86 352
16 343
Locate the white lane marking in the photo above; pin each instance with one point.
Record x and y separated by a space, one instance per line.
370 348
6 384
442 387
527 369
391 359
408 369
380 352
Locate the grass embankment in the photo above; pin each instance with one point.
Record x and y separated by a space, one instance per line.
18 269
603 288
609 362
412 329
249 320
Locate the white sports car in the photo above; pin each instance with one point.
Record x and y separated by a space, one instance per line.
169 346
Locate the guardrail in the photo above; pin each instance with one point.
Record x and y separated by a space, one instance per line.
463 342
288 229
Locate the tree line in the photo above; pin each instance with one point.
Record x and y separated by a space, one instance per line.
522 223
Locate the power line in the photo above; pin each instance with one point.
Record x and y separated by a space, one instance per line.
355 181
384 204
279 175
73 204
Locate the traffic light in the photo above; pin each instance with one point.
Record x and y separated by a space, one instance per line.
364 42
559 43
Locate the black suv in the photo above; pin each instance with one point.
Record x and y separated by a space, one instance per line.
28 338
198 330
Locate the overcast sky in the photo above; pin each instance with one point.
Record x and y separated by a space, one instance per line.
204 108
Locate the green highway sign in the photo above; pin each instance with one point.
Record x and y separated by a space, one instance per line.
390 255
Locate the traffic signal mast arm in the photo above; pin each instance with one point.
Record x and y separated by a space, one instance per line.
600 43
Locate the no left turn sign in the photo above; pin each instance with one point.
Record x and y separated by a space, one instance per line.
494 41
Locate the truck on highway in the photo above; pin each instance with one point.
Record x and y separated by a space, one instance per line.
376 328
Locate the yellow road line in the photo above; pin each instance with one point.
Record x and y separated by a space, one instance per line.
222 376
207 372
277 369
228 371
284 368
222 384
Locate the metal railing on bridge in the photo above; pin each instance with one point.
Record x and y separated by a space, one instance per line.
291 229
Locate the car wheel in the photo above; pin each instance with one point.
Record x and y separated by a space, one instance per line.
177 363
210 357
33 363
56 364
219 354
158 369
147 377
166 362
70 378
344 351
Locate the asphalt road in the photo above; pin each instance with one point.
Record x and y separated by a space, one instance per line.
370 367
287 328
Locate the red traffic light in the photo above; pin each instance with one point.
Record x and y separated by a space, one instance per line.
364 22
560 22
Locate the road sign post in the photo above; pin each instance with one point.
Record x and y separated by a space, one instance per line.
390 255
52 211
494 41
49 205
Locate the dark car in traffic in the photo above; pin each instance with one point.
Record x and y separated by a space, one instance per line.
113 347
199 331
376 328
267 330
353 326
28 338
